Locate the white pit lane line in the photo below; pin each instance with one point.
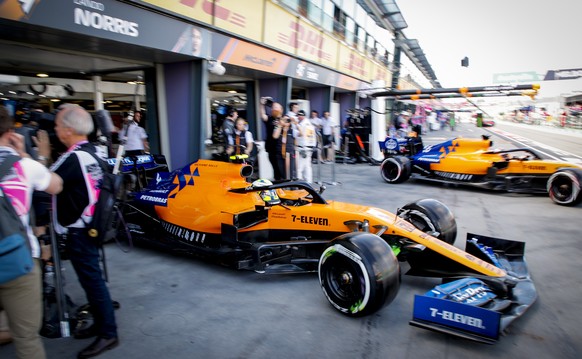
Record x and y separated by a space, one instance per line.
564 155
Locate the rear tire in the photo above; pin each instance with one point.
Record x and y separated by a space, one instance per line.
359 273
430 215
564 187
395 169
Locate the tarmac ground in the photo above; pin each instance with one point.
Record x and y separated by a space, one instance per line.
175 306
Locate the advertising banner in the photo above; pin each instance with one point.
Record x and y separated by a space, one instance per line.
200 10
381 73
280 28
515 77
570 74
241 53
351 62
329 49
309 41
246 54
243 18
456 315
112 20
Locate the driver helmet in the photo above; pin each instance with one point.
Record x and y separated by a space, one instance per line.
269 196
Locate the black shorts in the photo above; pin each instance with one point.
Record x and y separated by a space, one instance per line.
327 140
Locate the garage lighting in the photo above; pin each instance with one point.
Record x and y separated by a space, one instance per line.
232 91
42 75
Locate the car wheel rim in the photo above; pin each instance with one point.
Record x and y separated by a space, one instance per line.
391 171
563 188
420 221
344 280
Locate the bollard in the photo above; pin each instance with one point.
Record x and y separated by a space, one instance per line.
333 175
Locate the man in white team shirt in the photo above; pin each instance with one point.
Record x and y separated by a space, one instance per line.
135 136
305 145
21 297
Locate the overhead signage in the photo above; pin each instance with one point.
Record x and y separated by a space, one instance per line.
246 54
122 22
112 20
516 77
570 74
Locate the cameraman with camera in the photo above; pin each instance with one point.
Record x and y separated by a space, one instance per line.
284 134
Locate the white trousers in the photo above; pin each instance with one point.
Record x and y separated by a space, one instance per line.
304 170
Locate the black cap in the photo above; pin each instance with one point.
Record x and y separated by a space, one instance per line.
301 113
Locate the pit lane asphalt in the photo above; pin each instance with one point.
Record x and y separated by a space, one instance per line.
178 307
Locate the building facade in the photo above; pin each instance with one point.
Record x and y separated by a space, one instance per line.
191 58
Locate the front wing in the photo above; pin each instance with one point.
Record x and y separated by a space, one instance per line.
514 295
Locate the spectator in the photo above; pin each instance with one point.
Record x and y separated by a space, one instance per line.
73 209
134 136
306 142
293 110
402 123
21 298
271 123
285 148
316 122
327 135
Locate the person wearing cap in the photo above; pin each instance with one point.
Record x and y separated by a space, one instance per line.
306 142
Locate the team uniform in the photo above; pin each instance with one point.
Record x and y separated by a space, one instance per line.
73 207
133 135
306 143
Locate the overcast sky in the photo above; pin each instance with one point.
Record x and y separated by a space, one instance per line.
498 36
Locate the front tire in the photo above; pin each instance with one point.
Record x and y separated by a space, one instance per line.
395 169
564 187
359 273
429 216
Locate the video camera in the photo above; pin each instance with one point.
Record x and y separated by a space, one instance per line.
268 101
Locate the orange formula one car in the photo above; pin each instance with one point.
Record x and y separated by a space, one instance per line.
210 208
472 162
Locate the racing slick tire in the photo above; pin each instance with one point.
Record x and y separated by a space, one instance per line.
359 273
564 187
430 216
395 169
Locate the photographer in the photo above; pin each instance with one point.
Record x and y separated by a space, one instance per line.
21 298
284 134
27 126
271 122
